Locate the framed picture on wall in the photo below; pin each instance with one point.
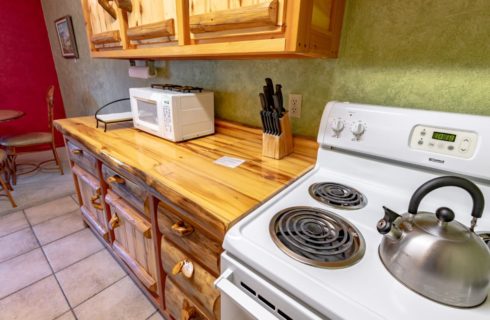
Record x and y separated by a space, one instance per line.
66 37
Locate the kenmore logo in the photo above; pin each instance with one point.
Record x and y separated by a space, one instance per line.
436 160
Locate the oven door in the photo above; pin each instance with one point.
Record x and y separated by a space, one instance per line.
147 114
246 295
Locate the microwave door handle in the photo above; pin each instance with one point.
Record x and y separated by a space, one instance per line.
241 298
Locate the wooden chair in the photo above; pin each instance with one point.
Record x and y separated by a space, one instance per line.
5 183
32 139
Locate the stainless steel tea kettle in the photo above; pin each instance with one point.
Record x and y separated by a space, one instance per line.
435 256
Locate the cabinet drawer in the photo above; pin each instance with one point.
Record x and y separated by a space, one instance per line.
189 238
196 282
92 207
133 240
178 306
131 192
82 157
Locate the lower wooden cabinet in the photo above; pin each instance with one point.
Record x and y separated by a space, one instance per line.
133 240
178 306
196 282
92 206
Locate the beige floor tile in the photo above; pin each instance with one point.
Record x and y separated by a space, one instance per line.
156 316
50 210
56 228
42 300
67 316
63 252
123 300
88 277
21 271
12 222
17 243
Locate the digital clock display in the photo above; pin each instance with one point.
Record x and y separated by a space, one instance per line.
444 136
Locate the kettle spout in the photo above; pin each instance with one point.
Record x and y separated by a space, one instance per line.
384 225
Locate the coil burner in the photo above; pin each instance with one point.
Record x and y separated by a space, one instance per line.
337 195
317 237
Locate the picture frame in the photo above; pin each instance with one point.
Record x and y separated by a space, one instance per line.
66 37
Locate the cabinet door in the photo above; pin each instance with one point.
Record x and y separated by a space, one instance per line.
216 20
92 207
178 305
151 22
133 240
196 282
102 24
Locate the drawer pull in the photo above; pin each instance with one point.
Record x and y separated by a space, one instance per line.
182 229
114 222
77 152
188 312
94 200
116 179
185 267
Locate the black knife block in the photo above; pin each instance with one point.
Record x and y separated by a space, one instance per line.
277 147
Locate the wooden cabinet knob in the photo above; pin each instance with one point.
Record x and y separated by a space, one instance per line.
116 179
94 200
185 267
188 313
182 229
114 222
77 152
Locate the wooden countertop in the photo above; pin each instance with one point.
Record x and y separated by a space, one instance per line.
184 172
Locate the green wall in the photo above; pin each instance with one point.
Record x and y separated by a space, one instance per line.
431 54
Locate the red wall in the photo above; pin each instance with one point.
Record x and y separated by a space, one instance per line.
26 67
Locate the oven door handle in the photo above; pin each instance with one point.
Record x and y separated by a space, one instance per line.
241 298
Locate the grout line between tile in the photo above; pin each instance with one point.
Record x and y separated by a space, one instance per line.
69 311
8 234
50 267
30 284
107 287
64 214
21 254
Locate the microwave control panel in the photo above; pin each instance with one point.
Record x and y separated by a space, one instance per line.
450 142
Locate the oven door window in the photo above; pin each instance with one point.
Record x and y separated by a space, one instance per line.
147 111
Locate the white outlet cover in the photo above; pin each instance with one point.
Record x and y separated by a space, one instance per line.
295 105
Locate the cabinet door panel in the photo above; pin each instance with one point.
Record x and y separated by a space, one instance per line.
219 19
151 22
133 240
92 206
177 304
195 281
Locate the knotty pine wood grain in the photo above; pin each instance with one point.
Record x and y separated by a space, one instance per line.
184 173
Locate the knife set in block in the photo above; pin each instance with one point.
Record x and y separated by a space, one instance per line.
277 138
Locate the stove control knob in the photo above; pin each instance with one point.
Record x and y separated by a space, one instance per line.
337 126
357 129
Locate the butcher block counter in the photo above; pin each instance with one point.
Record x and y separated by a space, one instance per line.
163 208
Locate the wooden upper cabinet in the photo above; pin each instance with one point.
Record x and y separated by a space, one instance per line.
168 29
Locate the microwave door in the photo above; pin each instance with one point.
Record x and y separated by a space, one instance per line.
148 114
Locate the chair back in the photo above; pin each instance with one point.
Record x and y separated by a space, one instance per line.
50 104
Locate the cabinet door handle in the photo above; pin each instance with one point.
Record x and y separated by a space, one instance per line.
77 152
114 222
94 200
188 313
182 229
116 179
185 267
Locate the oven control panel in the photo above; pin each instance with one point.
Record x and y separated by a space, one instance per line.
451 142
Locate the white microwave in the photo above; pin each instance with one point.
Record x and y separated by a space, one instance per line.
173 115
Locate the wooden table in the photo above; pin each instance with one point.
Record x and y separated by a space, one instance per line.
8 115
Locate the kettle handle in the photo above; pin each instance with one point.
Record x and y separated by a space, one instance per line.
449 181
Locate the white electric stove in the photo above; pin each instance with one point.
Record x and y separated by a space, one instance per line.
369 157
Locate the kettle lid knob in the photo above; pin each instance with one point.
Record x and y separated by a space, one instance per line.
445 214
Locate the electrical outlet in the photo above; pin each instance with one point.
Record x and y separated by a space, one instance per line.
295 105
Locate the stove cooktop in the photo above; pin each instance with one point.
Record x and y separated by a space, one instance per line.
317 237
